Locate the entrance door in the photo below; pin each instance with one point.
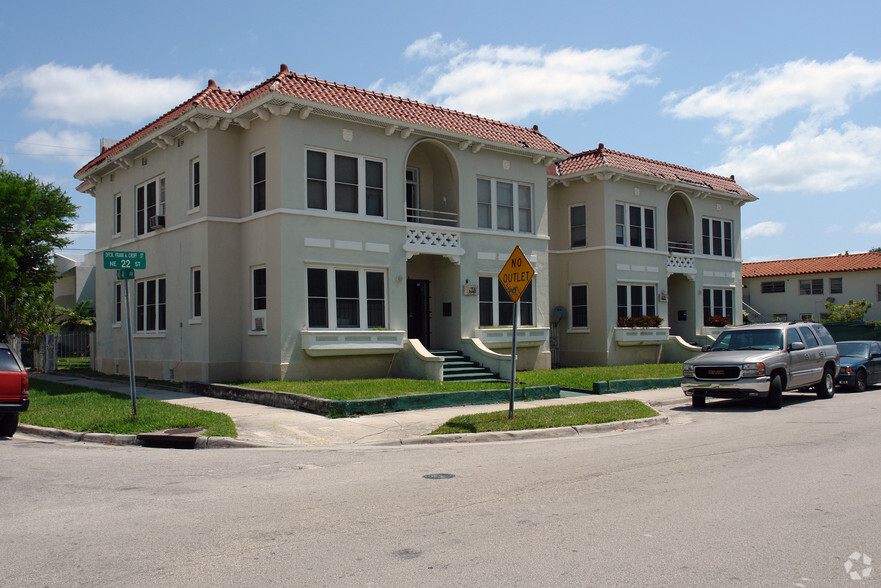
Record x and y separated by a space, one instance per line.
418 312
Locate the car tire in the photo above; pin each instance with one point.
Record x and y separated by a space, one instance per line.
698 400
775 394
825 388
8 424
861 381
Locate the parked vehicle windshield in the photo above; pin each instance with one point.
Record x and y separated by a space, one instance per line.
853 349
757 339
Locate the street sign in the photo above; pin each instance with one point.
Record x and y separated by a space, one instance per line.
135 260
125 274
516 274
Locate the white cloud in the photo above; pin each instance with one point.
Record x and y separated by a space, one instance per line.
868 228
73 146
743 102
811 160
763 229
98 94
509 83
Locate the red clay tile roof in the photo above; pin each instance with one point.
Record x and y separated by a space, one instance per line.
315 90
606 158
854 262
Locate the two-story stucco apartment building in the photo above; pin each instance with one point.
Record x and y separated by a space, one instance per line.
305 229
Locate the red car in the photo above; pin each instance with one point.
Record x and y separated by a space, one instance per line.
14 388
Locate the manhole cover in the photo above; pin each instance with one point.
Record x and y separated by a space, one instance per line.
438 476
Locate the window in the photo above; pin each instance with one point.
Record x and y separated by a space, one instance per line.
781 318
636 300
775 287
150 205
578 304
412 194
117 214
196 293
258 178
634 226
806 316
346 298
719 302
496 308
878 292
835 285
809 337
117 302
497 207
195 184
358 184
150 306
577 226
258 299
716 237
810 287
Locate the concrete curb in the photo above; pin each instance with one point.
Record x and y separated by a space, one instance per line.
555 433
201 442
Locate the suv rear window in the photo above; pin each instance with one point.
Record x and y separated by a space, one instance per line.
8 362
825 337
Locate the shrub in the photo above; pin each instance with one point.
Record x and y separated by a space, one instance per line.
716 321
651 320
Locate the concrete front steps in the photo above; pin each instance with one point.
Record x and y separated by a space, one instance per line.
458 368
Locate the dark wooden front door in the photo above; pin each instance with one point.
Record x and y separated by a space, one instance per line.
418 311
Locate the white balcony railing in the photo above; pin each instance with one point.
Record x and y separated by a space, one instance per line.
432 217
680 264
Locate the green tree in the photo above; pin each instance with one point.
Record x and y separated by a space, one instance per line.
80 317
875 250
847 313
34 217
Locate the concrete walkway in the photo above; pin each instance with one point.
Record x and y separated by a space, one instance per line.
265 426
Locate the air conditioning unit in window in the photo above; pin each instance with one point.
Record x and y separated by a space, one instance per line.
258 323
155 222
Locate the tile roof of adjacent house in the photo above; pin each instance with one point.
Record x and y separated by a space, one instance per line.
854 262
604 159
313 91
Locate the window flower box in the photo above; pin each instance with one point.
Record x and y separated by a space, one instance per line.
322 343
499 337
626 336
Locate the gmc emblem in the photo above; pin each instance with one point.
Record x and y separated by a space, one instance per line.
715 372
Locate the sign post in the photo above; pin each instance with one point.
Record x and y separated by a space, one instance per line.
125 263
515 277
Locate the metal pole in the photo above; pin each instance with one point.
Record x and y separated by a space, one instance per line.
513 357
131 356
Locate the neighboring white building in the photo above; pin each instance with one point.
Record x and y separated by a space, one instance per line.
798 289
305 230
76 279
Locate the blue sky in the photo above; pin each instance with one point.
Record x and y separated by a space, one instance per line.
784 95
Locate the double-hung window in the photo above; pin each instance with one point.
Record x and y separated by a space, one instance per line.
117 303
117 214
258 181
150 306
636 300
195 293
196 184
578 305
496 308
577 226
635 226
343 298
716 237
504 205
258 299
150 205
719 302
344 183
810 287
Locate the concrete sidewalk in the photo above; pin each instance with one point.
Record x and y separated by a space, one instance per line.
266 426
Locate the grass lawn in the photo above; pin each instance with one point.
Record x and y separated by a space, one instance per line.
366 389
545 417
77 408
584 377
74 363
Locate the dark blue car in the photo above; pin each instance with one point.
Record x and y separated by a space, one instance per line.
860 364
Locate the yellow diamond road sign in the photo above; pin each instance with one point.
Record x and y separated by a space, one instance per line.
516 274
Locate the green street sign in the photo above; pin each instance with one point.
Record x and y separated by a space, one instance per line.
125 274
121 260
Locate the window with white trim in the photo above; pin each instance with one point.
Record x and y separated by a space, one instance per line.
258 299
577 226
150 306
117 214
578 306
258 181
339 182
150 205
412 188
502 205
117 302
716 237
346 298
196 293
719 302
496 308
635 226
636 300
195 184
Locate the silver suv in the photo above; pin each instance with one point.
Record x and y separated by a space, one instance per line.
763 361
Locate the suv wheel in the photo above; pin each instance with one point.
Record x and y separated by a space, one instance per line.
775 393
8 424
825 388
